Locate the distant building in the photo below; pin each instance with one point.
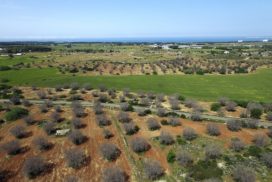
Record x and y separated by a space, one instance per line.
183 46
166 47
18 54
265 40
226 52
240 41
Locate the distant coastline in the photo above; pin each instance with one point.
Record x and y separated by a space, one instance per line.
146 40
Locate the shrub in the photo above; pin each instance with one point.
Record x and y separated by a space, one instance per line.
145 102
184 158
231 106
34 166
161 112
114 174
237 145
153 169
196 116
75 158
87 86
174 104
126 107
43 108
139 144
18 131
77 137
41 94
212 152
12 147
269 116
123 117
260 140
153 124
234 125
78 109
130 128
103 98
55 117
189 134
15 100
98 109
107 134
102 120
213 129
251 123
256 113
77 123
26 103
215 107
171 156
166 138
190 103
254 151
267 159
16 113
74 86
42 143
102 88
29 120
58 109
110 151
174 122
243 174
223 101
49 128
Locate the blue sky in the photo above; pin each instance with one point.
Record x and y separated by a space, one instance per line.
138 18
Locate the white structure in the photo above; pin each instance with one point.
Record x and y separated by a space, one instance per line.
240 41
226 52
265 40
62 132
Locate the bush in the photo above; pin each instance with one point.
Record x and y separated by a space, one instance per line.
123 117
237 145
190 103
130 128
260 140
110 151
43 108
102 120
205 170
215 107
212 152
103 98
153 124
231 106
114 174
15 100
196 116
41 94
267 159
213 129
189 134
58 109
29 120
166 138
243 174
49 128
174 104
223 101
174 122
55 117
139 145
254 151
126 107
18 131
12 147
251 123
74 86
98 109
234 125
16 113
269 116
77 123
256 113
77 137
34 166
87 86
171 156
107 134
26 103
78 109
184 158
153 169
75 158
42 143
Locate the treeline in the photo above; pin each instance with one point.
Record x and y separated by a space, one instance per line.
10 49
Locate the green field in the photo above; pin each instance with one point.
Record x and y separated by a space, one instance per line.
256 86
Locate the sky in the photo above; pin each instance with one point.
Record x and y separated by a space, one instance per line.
45 19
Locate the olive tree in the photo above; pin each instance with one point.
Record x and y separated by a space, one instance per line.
184 158
237 145
139 144
189 133
213 129
114 174
153 169
153 124
75 158
234 125
110 151
34 166
18 131
243 174
260 140
77 137
166 138
12 148
42 143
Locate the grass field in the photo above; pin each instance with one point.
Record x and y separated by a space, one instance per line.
256 86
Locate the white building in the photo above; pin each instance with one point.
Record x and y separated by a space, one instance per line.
226 52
